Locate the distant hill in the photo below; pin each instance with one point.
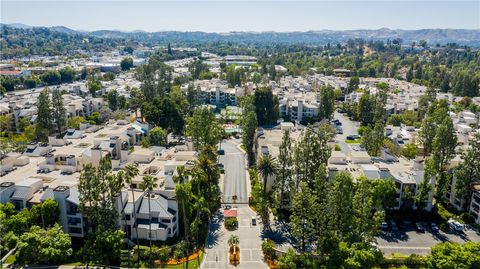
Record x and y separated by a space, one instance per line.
432 36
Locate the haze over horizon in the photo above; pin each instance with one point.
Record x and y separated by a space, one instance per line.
229 16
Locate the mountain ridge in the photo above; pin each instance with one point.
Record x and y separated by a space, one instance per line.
439 35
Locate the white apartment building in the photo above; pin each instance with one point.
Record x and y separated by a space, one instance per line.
52 171
216 92
475 203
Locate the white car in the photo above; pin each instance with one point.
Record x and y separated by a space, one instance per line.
456 226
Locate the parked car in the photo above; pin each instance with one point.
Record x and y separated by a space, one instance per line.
455 226
221 152
254 221
419 227
393 225
352 137
388 131
384 226
339 130
402 225
434 227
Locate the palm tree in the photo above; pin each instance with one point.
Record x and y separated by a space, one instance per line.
148 184
266 167
183 192
209 187
118 183
201 207
233 240
131 171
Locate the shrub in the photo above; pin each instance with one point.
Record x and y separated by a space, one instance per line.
230 223
409 151
268 249
467 218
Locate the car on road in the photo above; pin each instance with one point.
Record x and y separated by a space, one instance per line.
227 207
393 225
419 227
434 227
254 221
384 226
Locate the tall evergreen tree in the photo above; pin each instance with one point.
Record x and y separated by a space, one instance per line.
58 111
44 116
284 175
468 171
302 219
444 144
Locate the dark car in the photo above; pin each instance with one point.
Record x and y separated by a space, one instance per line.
393 225
420 227
221 152
402 225
352 137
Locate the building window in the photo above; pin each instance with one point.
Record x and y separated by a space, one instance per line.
74 230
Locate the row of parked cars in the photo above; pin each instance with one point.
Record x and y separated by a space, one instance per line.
402 225
338 126
421 227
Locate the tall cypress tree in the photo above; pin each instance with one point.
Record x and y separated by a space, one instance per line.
58 111
44 116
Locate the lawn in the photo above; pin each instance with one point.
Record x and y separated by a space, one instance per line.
356 141
10 259
398 256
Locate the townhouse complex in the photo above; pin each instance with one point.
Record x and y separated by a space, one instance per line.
52 170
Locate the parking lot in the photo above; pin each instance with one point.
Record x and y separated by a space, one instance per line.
409 241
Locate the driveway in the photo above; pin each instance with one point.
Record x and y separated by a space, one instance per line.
235 173
349 128
216 248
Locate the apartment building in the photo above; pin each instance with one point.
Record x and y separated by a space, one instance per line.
475 203
217 93
52 170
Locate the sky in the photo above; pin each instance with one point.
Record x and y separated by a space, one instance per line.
230 15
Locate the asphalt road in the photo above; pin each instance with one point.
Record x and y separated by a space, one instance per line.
235 173
250 238
349 128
